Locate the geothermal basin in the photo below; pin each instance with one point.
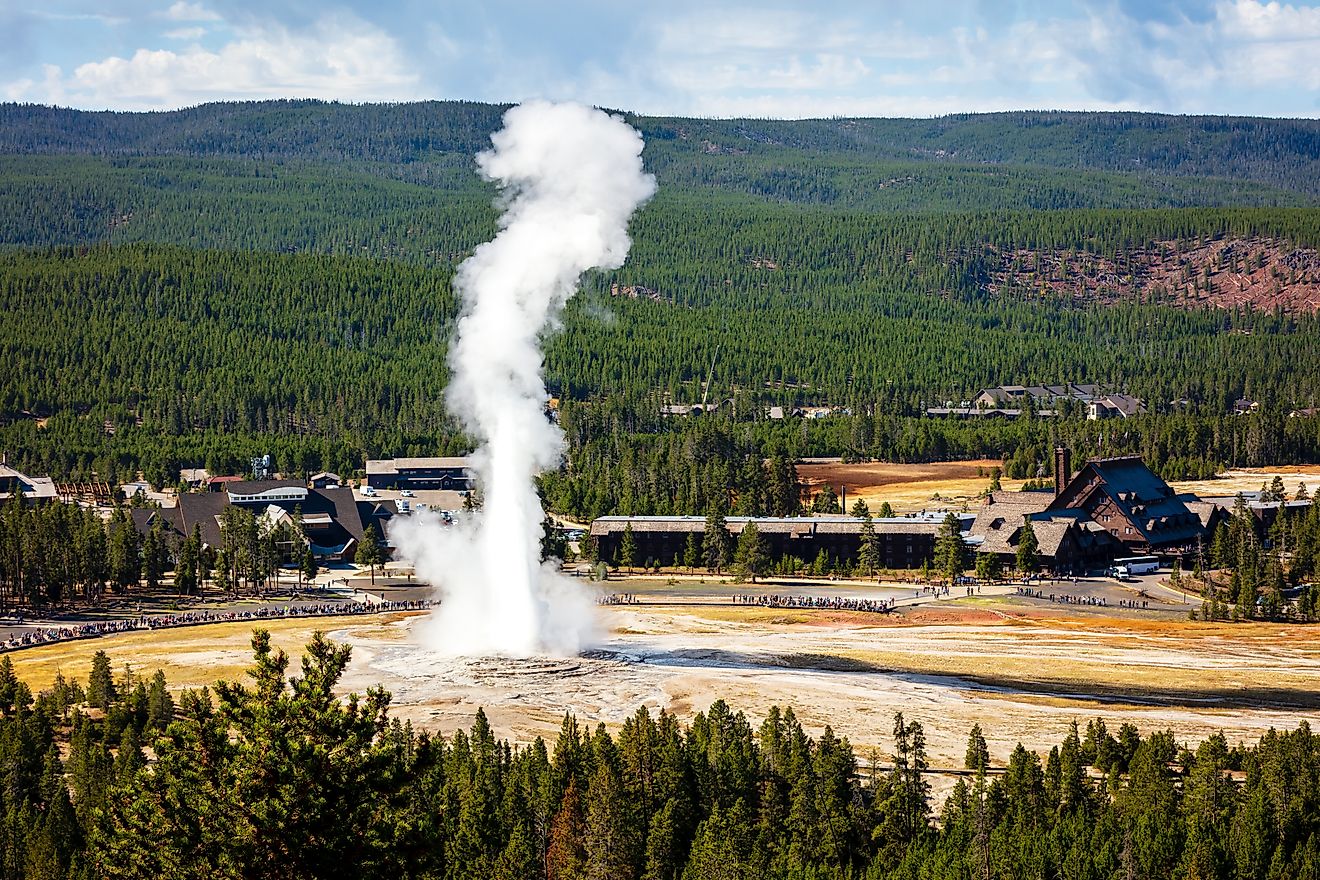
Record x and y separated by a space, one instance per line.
1023 669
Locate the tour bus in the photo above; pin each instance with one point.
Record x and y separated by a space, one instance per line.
1130 565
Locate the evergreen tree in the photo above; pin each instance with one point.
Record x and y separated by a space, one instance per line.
716 544
160 705
125 551
100 683
751 557
1027 546
227 792
978 754
950 548
368 552
185 569
825 501
308 566
869 547
691 551
989 567
566 856
628 549
155 556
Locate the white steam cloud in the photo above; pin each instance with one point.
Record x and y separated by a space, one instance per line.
571 176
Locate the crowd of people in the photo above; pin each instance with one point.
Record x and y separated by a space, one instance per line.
1063 598
44 635
1066 599
827 603
617 599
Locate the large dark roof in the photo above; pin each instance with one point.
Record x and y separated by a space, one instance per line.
1148 503
145 518
204 509
1130 476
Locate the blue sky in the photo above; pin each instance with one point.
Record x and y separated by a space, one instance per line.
711 58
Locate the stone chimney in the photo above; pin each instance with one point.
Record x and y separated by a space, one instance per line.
1062 469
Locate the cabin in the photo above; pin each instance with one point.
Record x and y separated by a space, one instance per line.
325 480
1114 406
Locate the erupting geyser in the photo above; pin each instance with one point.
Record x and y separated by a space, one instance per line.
570 178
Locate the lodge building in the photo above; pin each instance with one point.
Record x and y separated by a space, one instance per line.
1110 508
904 542
333 523
452 473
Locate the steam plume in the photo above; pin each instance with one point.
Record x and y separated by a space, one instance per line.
570 177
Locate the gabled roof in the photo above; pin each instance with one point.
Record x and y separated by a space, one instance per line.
1003 512
145 519
336 506
1123 404
1148 503
202 509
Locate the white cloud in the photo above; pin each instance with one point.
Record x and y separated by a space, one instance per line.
1247 56
184 11
78 16
1266 44
716 57
340 58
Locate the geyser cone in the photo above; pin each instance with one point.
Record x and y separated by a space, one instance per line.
570 178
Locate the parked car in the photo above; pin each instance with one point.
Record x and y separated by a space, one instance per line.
407 493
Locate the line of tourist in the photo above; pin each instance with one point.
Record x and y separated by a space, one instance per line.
617 599
93 629
828 603
1065 599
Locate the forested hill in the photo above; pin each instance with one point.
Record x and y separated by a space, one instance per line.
198 286
1232 161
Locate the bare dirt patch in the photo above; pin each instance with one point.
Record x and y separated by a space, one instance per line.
1224 273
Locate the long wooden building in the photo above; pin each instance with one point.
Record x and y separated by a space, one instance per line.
904 542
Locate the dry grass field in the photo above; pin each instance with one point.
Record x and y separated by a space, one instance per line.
913 487
1251 479
907 487
190 656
